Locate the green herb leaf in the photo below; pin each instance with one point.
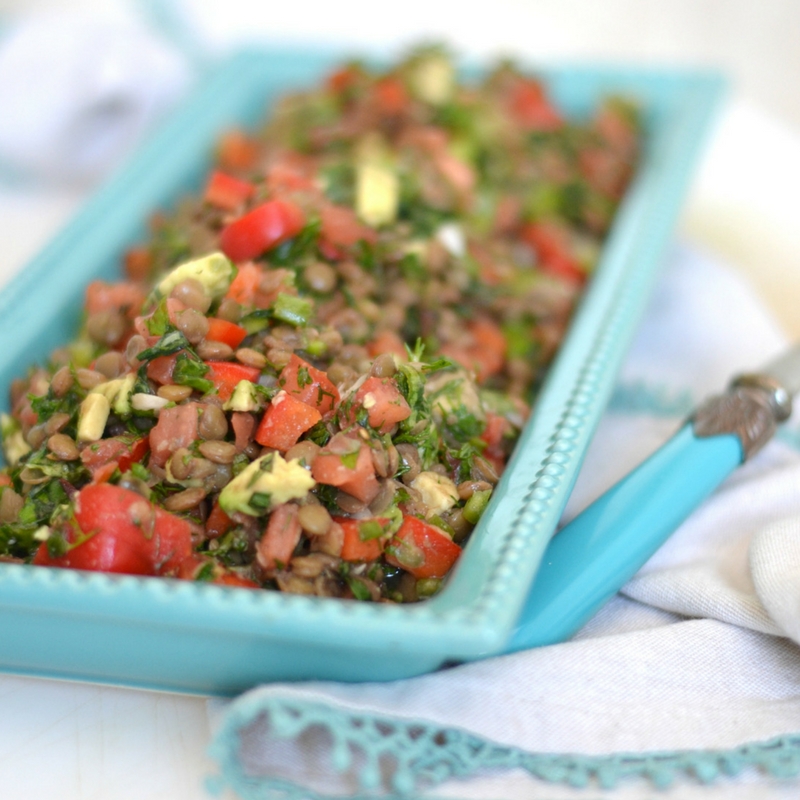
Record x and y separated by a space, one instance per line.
171 342
189 372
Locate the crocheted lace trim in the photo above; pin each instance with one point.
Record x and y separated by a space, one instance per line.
424 755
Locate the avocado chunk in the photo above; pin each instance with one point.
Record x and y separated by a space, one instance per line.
245 397
439 493
14 444
118 393
265 484
214 271
92 417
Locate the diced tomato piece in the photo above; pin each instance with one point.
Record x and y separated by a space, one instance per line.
160 369
551 245
244 286
236 151
225 375
422 549
226 192
117 530
390 95
218 522
228 578
532 109
457 172
243 425
289 176
507 213
5 480
127 298
221 330
138 263
105 473
309 384
261 229
496 429
342 79
345 462
172 542
387 342
484 352
342 228
194 568
176 427
487 333
354 548
285 421
384 404
121 451
283 532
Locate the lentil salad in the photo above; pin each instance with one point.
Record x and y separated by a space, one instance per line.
314 373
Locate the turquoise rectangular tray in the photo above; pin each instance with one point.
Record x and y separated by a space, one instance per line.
183 636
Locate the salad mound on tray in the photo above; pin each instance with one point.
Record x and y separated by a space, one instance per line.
312 375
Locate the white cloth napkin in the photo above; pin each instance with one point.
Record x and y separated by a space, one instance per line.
78 91
690 677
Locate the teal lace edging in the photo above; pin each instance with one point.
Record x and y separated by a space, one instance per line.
423 755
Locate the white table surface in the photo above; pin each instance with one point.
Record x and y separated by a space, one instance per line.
79 742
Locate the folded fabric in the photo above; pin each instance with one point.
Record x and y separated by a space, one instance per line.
690 678
78 91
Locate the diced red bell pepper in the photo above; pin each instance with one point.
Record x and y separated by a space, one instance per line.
261 229
117 530
218 522
309 384
221 330
385 406
283 532
226 192
422 549
346 462
285 421
225 375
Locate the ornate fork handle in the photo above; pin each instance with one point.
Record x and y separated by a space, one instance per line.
751 410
